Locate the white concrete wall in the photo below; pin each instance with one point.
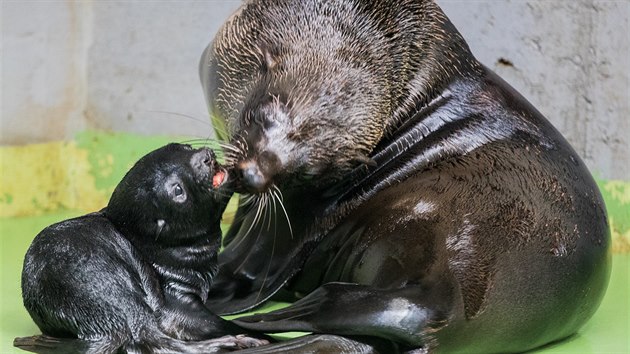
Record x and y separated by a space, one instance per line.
68 66
570 58
44 45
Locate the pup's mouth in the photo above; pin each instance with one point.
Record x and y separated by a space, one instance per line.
220 177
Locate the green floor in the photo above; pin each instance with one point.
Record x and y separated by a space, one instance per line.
607 332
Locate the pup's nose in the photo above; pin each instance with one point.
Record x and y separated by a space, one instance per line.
203 159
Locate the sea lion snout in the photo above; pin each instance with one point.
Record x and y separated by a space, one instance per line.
257 174
251 176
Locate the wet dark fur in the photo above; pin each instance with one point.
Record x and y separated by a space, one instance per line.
430 205
133 277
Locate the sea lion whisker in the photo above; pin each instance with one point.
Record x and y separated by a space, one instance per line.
230 147
219 129
229 161
241 142
268 198
232 153
259 212
275 214
204 141
199 138
249 206
272 200
254 223
281 202
227 144
199 120
263 213
244 236
198 141
280 196
247 200
273 248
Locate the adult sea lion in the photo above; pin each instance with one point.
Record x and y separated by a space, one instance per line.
408 193
133 277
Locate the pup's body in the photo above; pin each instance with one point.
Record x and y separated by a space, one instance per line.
133 277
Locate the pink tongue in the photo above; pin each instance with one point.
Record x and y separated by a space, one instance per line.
218 178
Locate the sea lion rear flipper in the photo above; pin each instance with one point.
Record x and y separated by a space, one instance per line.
326 343
45 344
405 315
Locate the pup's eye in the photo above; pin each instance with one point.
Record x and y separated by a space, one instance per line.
174 188
177 190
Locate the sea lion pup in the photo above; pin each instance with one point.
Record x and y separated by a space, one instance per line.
430 205
133 276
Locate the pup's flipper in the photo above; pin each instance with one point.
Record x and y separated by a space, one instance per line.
45 344
50 345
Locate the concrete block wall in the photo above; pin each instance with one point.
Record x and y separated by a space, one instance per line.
570 58
70 66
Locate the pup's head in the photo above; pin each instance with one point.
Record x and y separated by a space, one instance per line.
172 195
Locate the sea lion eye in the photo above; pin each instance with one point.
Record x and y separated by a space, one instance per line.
174 188
179 195
177 190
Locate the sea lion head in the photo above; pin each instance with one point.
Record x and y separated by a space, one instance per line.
306 90
295 99
172 195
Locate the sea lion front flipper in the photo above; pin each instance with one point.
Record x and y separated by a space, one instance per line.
327 343
404 315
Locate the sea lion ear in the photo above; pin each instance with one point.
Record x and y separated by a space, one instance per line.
270 58
160 226
270 61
